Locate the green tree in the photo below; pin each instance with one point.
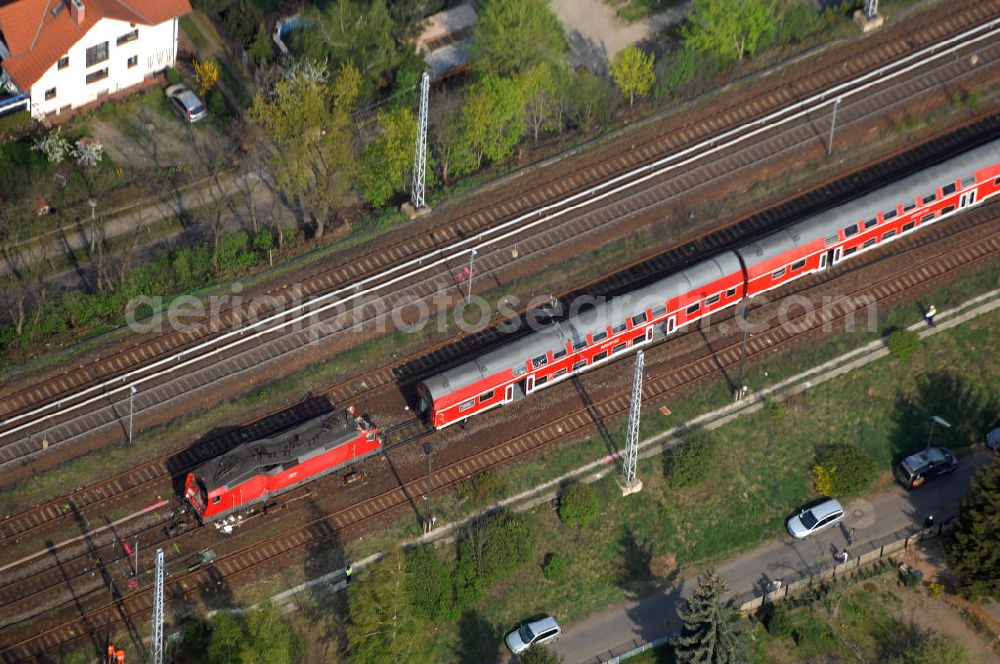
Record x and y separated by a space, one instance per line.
593 100
542 92
512 35
579 505
492 123
310 123
729 28
712 631
387 163
429 583
632 71
261 51
974 555
263 635
383 626
539 654
936 650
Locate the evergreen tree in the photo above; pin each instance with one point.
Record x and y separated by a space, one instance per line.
975 555
261 51
712 632
383 627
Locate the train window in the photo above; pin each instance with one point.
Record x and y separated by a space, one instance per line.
888 215
694 308
216 499
659 310
798 265
485 396
929 198
997 182
948 189
926 217
909 226
850 230
778 274
619 348
870 223
600 336
832 239
540 380
968 181
731 292
540 361
579 365
909 206
946 210
848 252
580 345
869 243
561 372
520 369
888 234
618 328
559 353
466 405
600 356
639 319
712 300
638 339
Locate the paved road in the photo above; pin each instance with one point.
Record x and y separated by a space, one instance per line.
888 516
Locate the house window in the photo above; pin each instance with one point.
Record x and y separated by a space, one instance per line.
97 54
133 61
64 62
98 75
127 37
50 94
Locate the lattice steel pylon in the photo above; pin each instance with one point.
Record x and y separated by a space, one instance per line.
871 9
158 610
632 438
420 158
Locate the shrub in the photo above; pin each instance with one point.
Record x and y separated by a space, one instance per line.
777 621
903 344
799 21
689 463
935 589
579 505
492 550
554 568
429 582
675 71
234 254
173 76
217 104
483 488
843 469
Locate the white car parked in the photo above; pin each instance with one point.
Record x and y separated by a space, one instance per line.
544 630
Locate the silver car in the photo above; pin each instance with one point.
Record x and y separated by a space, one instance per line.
186 102
544 630
814 518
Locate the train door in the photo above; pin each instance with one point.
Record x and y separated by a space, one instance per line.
830 258
509 394
530 385
649 333
671 324
967 199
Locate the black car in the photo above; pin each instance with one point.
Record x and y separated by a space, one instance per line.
918 468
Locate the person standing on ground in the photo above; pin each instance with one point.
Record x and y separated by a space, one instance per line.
348 571
929 316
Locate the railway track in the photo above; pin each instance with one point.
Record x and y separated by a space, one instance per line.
961 250
88 402
152 478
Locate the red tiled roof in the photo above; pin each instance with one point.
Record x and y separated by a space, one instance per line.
37 39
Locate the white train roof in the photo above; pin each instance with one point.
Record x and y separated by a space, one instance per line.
826 224
589 320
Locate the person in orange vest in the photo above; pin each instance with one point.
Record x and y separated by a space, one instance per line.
121 656
111 653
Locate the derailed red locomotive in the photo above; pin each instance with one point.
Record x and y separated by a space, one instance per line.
258 470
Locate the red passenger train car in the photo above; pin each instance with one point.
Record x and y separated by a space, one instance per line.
258 470
614 328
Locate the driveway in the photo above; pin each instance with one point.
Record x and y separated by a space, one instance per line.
888 516
595 33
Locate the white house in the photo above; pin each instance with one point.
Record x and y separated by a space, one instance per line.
61 54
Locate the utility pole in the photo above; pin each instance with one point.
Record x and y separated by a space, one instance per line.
936 420
871 9
740 391
420 158
158 611
472 257
428 519
629 482
131 411
833 124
